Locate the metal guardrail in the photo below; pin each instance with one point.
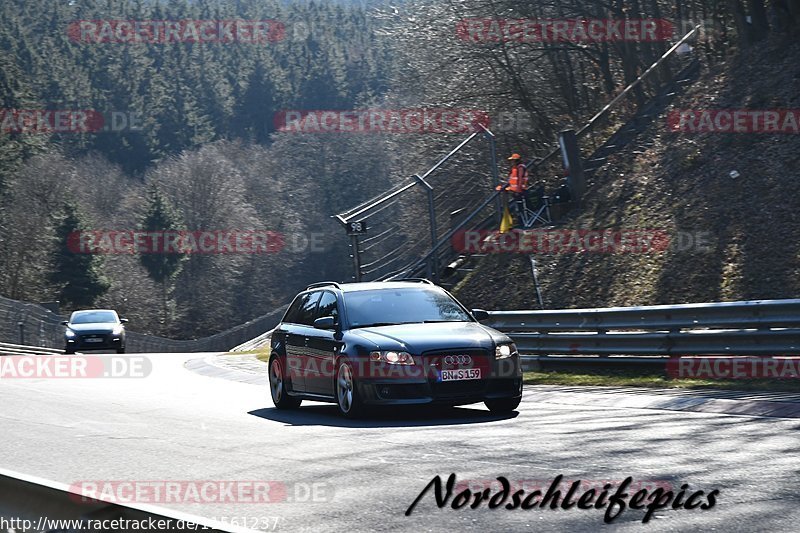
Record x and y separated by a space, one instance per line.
37 328
760 327
18 349
256 343
220 342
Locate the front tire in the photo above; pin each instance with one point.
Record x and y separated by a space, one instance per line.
277 386
347 399
503 405
120 350
69 351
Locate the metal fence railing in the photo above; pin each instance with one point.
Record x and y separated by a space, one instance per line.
403 239
620 110
31 324
394 230
755 328
19 349
649 90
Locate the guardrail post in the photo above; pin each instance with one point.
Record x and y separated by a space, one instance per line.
21 332
495 172
355 254
433 263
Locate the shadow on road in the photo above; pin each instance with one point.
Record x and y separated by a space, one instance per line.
328 415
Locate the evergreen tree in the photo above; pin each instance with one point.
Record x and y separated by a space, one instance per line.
254 114
77 275
161 267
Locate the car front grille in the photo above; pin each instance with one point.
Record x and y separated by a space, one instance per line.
84 339
433 362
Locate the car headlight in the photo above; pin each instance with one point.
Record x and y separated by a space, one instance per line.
69 334
391 357
118 329
504 351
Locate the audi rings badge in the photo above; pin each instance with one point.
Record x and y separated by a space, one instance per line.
460 360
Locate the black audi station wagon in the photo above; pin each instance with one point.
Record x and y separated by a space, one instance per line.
389 343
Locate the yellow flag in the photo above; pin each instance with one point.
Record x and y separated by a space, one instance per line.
506 222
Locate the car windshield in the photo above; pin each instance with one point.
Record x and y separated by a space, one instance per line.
383 307
91 317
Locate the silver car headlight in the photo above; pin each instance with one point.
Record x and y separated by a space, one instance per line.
504 351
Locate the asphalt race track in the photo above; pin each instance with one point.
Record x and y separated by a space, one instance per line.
336 475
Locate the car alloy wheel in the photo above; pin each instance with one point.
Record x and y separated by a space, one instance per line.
276 380
277 386
346 392
344 388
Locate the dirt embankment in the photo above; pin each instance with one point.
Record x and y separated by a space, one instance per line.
681 183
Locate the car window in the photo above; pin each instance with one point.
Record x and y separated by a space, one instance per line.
402 306
92 317
294 310
328 307
307 311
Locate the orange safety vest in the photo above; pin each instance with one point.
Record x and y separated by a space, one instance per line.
518 179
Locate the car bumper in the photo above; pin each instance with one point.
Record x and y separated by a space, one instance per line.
107 342
417 394
500 384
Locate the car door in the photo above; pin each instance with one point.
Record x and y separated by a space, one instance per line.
294 329
302 330
323 345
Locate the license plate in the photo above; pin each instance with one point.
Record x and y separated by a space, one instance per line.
94 340
461 374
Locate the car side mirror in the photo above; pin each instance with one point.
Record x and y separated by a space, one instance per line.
64 322
480 314
325 322
123 320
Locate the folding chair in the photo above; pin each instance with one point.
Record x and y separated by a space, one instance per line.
527 216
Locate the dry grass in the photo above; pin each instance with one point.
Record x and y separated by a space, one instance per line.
658 381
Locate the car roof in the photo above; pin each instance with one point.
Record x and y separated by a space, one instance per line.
377 285
83 311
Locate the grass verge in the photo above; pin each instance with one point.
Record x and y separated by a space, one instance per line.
658 381
625 379
261 354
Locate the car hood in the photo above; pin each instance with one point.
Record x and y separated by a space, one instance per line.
92 326
418 338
